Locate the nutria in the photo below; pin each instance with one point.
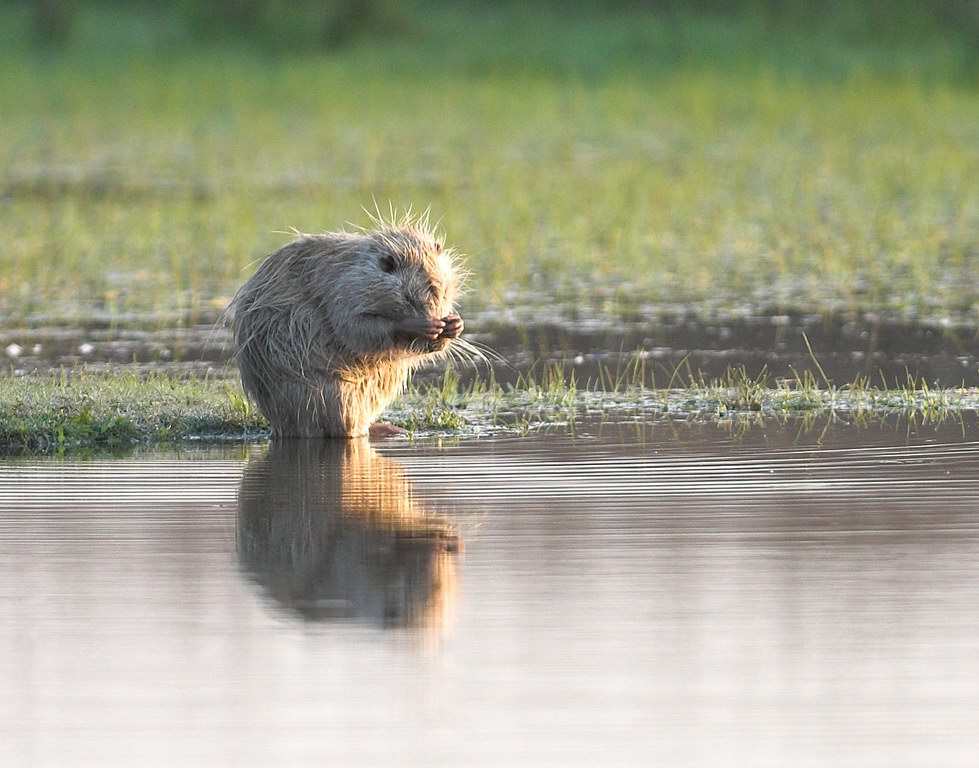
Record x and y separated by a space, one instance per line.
330 326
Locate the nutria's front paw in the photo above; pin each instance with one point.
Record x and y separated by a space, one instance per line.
453 327
426 328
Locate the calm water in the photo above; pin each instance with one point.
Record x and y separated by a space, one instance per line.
672 595
847 345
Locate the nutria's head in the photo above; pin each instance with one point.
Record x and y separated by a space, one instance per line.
414 276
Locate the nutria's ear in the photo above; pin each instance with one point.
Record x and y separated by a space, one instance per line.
387 263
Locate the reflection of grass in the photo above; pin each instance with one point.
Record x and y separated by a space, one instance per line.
618 158
91 410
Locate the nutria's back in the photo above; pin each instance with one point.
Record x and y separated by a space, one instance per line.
330 326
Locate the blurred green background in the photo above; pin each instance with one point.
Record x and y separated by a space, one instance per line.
600 156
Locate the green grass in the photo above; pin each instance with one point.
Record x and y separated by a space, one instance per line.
604 158
84 411
80 410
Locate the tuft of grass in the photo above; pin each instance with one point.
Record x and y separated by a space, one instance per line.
551 396
81 410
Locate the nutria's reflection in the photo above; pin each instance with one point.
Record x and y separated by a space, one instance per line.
330 529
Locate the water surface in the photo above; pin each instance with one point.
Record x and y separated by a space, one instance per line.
671 594
674 347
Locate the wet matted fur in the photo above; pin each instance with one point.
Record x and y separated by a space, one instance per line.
329 328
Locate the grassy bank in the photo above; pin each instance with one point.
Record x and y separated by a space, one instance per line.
603 157
91 411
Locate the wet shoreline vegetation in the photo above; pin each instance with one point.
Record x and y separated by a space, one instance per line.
80 411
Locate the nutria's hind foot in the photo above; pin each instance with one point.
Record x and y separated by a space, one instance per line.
384 431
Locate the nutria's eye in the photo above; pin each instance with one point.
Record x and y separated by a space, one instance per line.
433 291
387 263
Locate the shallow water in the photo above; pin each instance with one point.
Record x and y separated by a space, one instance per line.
672 594
673 347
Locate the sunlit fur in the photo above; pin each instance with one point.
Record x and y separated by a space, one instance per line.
315 326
